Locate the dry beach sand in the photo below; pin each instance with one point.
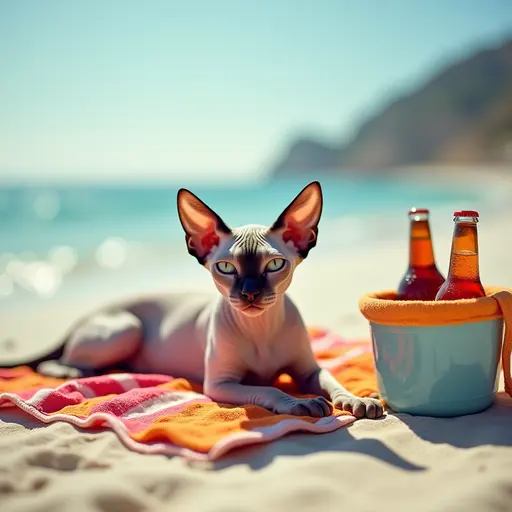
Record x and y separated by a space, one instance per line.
397 463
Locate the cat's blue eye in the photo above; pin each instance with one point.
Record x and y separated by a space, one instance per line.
275 264
225 267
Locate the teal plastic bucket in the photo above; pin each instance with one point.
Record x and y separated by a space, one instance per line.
440 358
445 370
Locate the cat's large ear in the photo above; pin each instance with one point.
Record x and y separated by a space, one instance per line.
299 221
203 227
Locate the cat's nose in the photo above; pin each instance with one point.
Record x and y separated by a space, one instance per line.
250 296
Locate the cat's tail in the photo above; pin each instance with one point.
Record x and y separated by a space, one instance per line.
55 354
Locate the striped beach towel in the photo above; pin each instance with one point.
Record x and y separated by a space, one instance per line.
166 415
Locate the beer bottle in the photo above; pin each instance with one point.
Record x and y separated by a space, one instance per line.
463 281
422 279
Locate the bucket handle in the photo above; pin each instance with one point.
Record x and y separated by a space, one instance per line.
504 299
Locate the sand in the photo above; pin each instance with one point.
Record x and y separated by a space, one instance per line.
397 463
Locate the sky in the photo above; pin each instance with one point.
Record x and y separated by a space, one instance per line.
119 88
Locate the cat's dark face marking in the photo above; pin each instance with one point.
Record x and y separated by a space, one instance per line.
255 282
252 265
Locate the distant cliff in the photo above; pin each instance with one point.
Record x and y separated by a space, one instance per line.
462 115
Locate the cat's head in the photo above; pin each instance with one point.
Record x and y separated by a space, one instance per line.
252 265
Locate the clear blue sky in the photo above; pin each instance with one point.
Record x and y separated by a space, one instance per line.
118 87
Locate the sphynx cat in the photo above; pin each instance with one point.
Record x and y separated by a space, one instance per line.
236 345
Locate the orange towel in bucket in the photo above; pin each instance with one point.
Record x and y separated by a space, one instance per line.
162 414
383 308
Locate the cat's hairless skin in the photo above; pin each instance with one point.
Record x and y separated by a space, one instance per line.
236 345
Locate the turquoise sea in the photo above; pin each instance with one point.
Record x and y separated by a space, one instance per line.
52 236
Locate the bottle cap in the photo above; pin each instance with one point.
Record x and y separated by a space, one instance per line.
466 213
412 211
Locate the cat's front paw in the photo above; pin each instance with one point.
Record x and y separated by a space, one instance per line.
315 407
359 407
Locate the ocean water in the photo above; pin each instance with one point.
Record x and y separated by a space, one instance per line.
54 238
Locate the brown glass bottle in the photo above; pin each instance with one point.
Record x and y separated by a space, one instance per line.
463 281
422 279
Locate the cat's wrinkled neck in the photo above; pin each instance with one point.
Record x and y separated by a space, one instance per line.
259 328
